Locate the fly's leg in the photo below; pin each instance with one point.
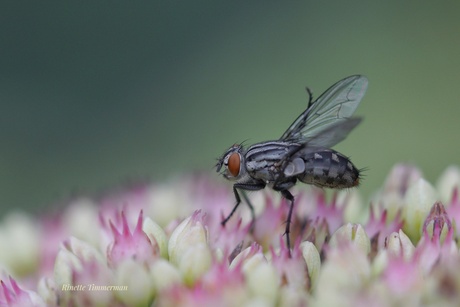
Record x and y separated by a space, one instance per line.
244 187
251 207
238 201
286 194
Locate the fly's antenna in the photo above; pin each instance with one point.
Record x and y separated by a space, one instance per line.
243 142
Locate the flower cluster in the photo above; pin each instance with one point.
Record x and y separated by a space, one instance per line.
164 245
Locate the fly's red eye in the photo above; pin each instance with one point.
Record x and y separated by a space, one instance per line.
234 164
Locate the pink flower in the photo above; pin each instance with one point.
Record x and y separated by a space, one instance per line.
229 238
127 245
12 295
291 266
403 277
453 209
329 212
379 226
271 222
437 242
218 287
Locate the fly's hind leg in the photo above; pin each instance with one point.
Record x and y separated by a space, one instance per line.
286 194
283 189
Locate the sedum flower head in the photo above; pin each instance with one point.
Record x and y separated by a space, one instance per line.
164 245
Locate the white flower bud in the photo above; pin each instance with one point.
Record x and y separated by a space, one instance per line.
70 257
346 270
156 234
419 199
354 233
380 262
351 202
399 244
46 288
137 279
448 180
293 296
164 274
82 221
19 243
195 262
164 204
313 260
263 281
189 233
250 256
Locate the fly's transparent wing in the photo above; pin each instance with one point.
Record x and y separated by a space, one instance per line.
334 106
334 133
337 131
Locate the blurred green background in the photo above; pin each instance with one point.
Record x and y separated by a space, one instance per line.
93 93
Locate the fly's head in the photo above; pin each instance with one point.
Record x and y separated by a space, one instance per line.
233 163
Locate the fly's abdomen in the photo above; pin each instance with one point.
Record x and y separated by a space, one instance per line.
328 168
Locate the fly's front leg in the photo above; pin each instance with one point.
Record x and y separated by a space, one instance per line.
238 201
244 187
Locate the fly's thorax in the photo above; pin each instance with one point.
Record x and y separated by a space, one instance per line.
264 160
233 161
329 168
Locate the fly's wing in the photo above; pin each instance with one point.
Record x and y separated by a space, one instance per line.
293 163
334 133
337 132
328 114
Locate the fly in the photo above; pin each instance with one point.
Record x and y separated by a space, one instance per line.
303 152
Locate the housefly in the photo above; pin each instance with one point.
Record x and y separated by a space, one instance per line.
303 152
